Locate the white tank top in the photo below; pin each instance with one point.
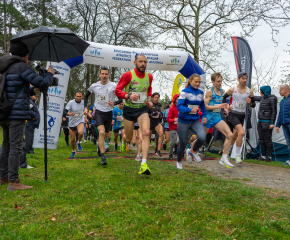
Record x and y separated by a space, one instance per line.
240 101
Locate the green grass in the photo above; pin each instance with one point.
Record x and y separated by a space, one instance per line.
89 201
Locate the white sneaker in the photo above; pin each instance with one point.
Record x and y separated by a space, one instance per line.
138 158
196 157
188 156
85 141
179 165
226 162
28 167
238 159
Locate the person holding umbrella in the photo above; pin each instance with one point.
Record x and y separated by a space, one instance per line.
17 81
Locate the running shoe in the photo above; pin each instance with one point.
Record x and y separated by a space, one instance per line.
67 145
80 147
287 163
107 148
28 167
189 155
158 153
268 160
179 165
85 141
127 147
123 148
104 161
238 159
116 147
196 157
138 158
260 158
72 154
144 169
170 156
226 162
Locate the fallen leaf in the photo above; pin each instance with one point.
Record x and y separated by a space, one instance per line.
114 201
27 175
27 204
57 191
123 198
90 233
53 219
18 207
26 195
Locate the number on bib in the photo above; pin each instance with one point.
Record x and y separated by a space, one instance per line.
78 114
193 106
217 109
241 105
103 98
142 97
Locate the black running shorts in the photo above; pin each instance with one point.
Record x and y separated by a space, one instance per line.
136 127
104 118
236 119
132 114
118 129
153 124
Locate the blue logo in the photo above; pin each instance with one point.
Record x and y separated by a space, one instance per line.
51 121
174 60
54 91
95 52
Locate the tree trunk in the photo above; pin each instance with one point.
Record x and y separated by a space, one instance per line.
4 26
10 29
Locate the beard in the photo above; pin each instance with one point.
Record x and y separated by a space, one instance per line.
141 71
78 101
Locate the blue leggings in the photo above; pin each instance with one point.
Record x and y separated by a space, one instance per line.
182 131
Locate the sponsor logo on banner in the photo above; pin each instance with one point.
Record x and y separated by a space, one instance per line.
174 60
50 122
243 64
95 52
56 91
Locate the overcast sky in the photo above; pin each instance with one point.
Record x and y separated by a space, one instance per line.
262 47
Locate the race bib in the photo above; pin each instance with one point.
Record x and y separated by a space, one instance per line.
175 122
78 114
142 97
241 105
121 119
157 116
217 109
193 106
103 98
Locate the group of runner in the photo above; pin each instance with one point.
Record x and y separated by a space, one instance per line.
140 113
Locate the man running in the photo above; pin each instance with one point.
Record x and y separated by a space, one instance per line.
75 109
241 95
104 101
118 124
213 104
137 84
155 116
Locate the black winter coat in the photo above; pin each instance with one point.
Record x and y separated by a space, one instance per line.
268 108
34 113
19 77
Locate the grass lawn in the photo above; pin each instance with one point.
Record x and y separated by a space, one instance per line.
84 200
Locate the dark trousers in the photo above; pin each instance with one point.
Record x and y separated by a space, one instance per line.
265 137
182 131
66 134
11 148
29 136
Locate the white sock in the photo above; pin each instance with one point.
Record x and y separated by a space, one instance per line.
225 155
238 151
270 157
264 157
143 161
78 141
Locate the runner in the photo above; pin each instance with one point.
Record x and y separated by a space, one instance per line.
241 95
104 96
213 103
191 98
137 84
172 120
155 115
118 125
75 109
166 125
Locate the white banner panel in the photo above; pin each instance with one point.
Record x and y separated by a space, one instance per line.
116 56
55 104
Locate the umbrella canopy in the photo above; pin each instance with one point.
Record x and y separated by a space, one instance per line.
51 44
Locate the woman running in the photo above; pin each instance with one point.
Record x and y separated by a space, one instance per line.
191 98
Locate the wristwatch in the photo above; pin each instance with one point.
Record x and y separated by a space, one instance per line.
129 94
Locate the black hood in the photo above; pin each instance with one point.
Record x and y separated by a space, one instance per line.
7 60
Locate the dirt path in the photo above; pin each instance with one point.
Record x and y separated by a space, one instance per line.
257 175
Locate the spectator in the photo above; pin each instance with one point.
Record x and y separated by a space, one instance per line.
267 117
31 124
17 83
284 116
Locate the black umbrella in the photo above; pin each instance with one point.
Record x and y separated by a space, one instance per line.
51 44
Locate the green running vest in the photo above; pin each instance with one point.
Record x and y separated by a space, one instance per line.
139 85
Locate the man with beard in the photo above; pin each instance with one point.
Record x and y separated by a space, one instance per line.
75 109
137 86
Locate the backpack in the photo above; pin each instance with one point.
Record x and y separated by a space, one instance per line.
5 106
